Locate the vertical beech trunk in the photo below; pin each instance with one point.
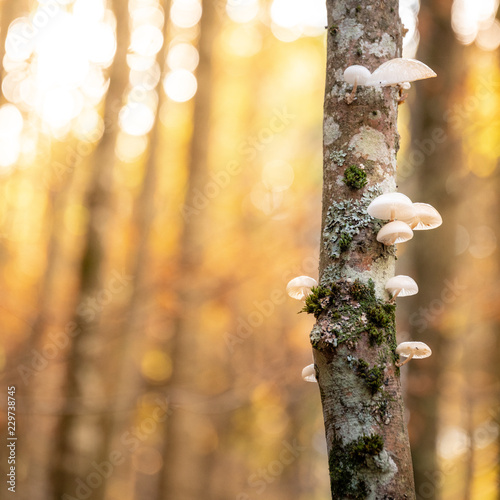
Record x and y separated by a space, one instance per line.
354 338
436 141
184 475
81 433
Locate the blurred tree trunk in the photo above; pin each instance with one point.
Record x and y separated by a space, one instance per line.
38 385
129 382
354 338
184 473
436 154
80 436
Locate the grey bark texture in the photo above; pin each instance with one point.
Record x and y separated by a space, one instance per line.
354 338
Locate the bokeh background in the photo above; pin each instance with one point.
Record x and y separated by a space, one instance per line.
160 183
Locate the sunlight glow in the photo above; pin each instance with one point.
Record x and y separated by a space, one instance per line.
148 15
58 106
185 13
136 118
471 16
9 152
180 85
242 11
89 126
89 11
300 17
11 126
183 56
243 41
63 68
408 11
489 38
277 175
11 121
129 147
146 40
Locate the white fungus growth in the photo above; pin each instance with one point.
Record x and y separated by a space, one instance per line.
401 286
394 232
412 350
308 373
391 206
399 71
299 288
425 217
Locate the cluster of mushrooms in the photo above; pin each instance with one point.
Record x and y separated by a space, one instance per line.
404 216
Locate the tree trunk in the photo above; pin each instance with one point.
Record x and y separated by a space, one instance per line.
81 433
129 382
435 157
184 473
354 338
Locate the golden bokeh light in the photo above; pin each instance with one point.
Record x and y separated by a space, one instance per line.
136 118
183 56
242 11
130 147
180 85
156 366
146 40
292 18
89 126
185 13
147 14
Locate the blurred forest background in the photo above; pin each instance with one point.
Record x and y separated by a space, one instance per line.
160 180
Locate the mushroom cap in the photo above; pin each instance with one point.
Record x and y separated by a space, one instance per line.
357 74
299 288
426 217
418 349
308 373
400 70
395 232
391 206
401 285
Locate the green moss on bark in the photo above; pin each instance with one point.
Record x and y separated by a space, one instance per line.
355 177
348 310
349 463
373 377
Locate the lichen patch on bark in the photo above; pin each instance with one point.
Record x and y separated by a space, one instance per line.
331 130
370 144
383 48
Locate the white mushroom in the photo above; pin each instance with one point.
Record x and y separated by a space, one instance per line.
412 350
399 71
425 217
391 206
299 288
394 232
401 286
308 373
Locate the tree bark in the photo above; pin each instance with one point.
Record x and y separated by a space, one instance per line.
354 338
